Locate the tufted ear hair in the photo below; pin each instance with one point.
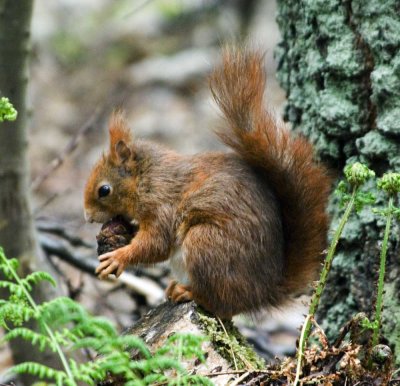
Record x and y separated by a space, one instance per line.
120 138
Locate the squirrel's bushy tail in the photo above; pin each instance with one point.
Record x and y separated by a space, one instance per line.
301 185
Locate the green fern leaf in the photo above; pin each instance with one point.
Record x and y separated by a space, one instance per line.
65 337
61 311
87 372
38 370
183 345
8 266
130 342
192 380
37 277
117 364
156 363
98 327
88 342
12 287
35 338
155 378
136 382
17 313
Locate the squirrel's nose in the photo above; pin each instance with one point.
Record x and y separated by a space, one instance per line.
88 216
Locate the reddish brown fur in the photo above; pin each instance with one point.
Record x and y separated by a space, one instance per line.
119 132
251 224
301 185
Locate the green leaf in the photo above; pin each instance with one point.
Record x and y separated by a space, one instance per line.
37 277
7 110
35 338
38 370
130 342
8 266
17 313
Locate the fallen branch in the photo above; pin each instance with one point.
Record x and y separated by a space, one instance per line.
141 285
56 229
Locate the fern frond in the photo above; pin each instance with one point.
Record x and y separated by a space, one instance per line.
39 370
37 277
61 311
137 382
17 312
155 378
117 363
156 363
190 380
87 372
12 287
65 337
66 323
88 342
35 338
8 266
183 345
97 327
17 292
131 342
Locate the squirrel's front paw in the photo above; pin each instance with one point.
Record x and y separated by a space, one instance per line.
113 262
178 293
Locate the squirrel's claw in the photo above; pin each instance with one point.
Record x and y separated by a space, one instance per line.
110 263
105 256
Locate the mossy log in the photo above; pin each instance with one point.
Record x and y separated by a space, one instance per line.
223 350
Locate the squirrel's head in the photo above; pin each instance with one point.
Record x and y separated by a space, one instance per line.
111 187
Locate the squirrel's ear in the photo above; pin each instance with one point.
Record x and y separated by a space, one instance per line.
120 137
122 151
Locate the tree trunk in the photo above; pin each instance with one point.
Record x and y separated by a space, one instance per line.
17 234
339 62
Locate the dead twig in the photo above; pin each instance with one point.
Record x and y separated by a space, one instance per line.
240 379
216 373
71 146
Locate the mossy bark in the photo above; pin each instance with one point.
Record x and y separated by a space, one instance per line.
339 62
17 235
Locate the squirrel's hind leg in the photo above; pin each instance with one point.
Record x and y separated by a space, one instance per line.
219 278
178 293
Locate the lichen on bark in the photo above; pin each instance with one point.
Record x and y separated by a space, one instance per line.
339 62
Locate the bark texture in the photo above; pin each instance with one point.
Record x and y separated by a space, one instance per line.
17 235
339 62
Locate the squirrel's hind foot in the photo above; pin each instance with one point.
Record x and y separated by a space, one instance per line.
178 293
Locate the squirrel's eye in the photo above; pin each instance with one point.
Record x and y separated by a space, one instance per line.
104 190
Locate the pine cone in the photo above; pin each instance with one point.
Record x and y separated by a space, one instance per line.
114 234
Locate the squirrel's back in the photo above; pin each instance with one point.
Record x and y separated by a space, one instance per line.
284 160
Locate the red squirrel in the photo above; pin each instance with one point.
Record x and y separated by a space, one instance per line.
251 223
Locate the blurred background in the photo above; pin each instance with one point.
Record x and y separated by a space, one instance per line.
151 58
